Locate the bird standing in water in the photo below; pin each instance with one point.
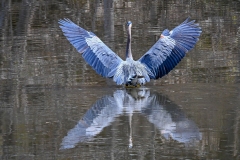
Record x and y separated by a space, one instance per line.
158 61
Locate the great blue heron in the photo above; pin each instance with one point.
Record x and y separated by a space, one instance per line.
161 58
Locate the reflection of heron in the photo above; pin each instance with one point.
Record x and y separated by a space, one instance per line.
166 117
162 57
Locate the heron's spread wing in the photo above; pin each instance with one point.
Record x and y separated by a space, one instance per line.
168 51
94 51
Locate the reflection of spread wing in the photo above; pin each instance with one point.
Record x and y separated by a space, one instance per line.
170 120
166 116
99 116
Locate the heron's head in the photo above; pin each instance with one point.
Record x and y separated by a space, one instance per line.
129 24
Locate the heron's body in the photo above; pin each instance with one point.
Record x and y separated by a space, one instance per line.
131 73
161 58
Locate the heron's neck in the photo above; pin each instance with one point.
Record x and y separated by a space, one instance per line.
128 50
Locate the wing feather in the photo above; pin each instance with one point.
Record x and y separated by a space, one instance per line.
101 58
168 51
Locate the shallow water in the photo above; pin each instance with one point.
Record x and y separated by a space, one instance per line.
54 106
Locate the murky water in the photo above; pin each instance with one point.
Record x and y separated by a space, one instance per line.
54 106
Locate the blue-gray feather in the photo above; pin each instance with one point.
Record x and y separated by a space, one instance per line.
94 51
130 68
162 57
168 51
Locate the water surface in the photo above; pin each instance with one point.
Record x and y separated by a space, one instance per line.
54 106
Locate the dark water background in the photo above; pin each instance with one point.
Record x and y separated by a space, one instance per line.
54 106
